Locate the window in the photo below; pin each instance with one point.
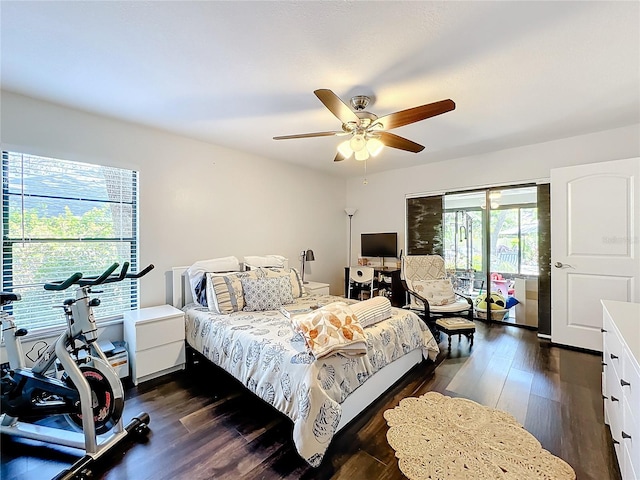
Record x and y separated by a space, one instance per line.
512 239
61 217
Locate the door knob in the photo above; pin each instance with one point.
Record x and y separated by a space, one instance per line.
561 265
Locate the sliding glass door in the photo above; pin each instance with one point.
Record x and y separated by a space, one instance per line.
493 239
491 243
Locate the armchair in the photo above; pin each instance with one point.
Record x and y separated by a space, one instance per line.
429 291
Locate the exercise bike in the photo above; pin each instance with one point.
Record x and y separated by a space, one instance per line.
72 377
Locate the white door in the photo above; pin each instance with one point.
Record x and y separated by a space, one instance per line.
595 246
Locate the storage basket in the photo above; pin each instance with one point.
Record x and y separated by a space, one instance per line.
495 314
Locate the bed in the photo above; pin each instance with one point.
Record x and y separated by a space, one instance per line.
320 396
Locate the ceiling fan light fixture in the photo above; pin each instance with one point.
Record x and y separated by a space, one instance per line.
345 149
357 142
374 146
362 154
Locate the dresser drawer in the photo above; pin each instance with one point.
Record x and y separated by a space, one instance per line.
159 358
631 445
613 349
160 332
613 404
612 367
631 375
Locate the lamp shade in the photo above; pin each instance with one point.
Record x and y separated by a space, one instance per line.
362 155
350 211
374 146
309 256
357 143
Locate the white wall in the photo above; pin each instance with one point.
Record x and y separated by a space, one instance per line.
381 203
197 200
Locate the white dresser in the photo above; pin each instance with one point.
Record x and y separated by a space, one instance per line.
621 382
155 338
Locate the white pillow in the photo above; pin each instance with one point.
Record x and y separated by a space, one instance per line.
196 271
372 311
265 261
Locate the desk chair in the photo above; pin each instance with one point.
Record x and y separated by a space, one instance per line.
359 278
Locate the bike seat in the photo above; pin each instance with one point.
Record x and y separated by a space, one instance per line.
8 297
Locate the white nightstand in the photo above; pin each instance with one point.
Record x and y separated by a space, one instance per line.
316 288
155 339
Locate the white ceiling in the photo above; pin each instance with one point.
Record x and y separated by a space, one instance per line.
238 73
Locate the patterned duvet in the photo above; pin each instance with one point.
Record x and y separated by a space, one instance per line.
262 351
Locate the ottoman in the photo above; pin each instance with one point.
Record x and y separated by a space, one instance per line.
456 326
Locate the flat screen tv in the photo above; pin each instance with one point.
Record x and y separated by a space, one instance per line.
379 245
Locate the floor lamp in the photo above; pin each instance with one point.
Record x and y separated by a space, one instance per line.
350 211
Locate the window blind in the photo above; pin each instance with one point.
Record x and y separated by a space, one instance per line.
60 217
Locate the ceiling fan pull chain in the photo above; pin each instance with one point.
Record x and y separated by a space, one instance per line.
365 181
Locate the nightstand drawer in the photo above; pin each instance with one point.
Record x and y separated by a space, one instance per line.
161 332
159 358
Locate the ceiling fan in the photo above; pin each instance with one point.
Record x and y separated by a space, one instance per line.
369 133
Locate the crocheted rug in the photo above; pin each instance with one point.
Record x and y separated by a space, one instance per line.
438 437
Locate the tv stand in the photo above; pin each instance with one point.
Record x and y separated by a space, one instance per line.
397 292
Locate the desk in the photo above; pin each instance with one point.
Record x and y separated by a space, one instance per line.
394 286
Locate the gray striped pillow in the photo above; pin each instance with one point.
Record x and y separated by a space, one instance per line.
372 311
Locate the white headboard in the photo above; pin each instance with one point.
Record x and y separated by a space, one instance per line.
181 288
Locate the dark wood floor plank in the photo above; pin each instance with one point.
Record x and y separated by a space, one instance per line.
582 437
205 425
516 387
544 418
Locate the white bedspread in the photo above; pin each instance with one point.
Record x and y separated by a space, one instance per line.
262 351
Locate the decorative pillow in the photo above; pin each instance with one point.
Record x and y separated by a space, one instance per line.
224 291
296 283
372 311
331 329
437 292
297 289
196 274
286 293
261 294
199 291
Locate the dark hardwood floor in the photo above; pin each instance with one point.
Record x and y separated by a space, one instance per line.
204 425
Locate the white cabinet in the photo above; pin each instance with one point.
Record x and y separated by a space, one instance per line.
155 337
621 382
316 288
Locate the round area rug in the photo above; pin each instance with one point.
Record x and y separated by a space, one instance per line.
438 437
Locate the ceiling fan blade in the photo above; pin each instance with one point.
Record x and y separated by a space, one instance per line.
395 141
336 106
309 135
339 157
415 114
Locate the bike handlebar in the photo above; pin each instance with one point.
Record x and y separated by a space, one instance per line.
142 273
63 285
98 280
105 277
